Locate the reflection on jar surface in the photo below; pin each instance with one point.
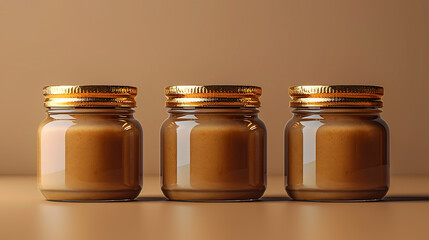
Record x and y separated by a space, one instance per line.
90 153
213 153
337 152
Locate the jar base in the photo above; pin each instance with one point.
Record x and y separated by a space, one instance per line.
215 196
88 196
337 195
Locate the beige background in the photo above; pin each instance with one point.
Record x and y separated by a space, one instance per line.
273 44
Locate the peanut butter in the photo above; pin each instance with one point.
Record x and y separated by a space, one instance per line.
213 154
88 153
337 153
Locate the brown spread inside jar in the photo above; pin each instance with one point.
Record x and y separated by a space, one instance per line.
337 145
213 144
90 144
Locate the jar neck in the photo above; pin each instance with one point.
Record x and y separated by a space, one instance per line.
351 111
90 111
213 111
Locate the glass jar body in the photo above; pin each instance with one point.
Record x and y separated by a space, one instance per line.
90 154
337 154
213 154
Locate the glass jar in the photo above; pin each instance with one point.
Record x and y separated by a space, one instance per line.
90 145
213 145
336 144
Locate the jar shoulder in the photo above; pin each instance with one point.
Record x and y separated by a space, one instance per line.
71 124
214 123
339 123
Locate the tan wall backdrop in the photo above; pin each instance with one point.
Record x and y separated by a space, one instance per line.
273 44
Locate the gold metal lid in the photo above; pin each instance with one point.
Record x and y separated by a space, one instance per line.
336 96
90 96
213 96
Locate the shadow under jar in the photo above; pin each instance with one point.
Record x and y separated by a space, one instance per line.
90 145
213 145
336 144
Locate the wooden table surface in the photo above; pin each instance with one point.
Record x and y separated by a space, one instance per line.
24 214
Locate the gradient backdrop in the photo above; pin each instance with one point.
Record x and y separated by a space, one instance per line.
273 44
